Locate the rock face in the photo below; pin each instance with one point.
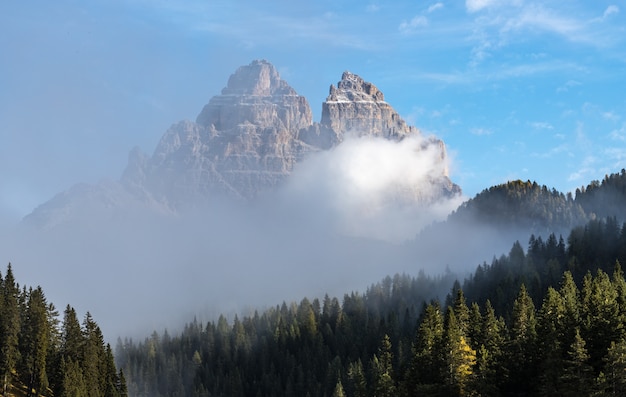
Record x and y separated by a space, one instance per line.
249 138
358 107
243 141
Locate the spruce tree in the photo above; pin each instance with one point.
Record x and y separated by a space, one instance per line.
35 337
522 351
577 374
426 368
615 369
382 370
9 329
550 330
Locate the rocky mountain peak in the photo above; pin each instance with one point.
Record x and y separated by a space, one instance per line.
358 107
259 78
255 94
353 88
249 139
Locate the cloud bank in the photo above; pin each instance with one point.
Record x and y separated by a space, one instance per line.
335 226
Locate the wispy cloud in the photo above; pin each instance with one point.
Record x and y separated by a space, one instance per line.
434 7
542 19
610 10
372 7
496 73
617 155
619 134
611 116
418 22
498 24
585 171
480 131
541 125
477 5
568 85
553 152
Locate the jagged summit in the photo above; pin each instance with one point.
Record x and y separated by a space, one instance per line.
256 95
352 88
358 107
249 138
258 78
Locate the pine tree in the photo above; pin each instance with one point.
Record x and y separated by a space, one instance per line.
339 390
615 369
73 384
92 358
358 382
35 337
490 367
427 363
71 336
522 351
382 369
550 340
461 312
577 378
600 316
9 329
460 357
571 304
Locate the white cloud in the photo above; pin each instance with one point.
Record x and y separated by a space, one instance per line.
477 5
538 17
610 10
435 7
374 187
611 116
372 7
419 21
481 131
617 155
619 134
569 84
541 125
502 23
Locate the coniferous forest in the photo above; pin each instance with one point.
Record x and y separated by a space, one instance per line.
40 355
547 319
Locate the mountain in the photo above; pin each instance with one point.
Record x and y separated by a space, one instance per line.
246 142
487 223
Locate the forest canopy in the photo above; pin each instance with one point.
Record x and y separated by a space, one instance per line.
40 355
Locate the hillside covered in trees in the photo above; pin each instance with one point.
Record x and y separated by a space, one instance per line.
538 209
542 321
43 356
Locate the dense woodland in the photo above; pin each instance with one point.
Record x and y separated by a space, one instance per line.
546 319
535 339
540 210
42 356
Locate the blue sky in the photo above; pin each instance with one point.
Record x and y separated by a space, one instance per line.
517 89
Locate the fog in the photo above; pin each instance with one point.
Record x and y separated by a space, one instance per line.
338 224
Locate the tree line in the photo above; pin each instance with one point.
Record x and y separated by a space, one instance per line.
540 321
43 356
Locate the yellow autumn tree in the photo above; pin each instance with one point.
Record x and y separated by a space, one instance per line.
461 358
464 365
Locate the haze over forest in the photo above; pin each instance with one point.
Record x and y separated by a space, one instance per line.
167 162
337 218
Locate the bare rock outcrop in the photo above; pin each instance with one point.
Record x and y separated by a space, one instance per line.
244 141
358 107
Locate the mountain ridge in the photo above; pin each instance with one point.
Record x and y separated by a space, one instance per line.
246 141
